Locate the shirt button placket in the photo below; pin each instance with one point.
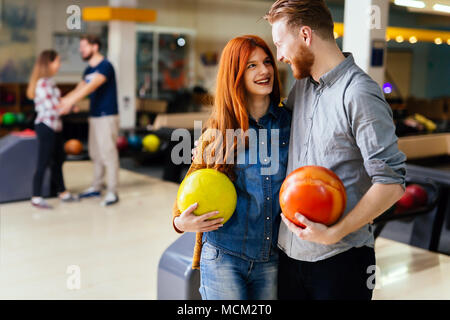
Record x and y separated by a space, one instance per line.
310 120
268 222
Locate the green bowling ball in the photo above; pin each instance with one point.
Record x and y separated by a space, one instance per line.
9 118
20 118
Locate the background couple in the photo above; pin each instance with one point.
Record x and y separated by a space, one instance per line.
99 83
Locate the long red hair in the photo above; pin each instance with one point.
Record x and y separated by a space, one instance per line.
229 111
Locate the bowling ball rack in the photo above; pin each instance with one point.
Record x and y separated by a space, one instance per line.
145 157
434 194
78 157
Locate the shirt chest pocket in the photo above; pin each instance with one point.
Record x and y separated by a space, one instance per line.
248 172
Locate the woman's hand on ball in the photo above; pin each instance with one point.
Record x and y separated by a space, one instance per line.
187 221
194 150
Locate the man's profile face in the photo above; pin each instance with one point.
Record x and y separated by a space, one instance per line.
86 49
291 49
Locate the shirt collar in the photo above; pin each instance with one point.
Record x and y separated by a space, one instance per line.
331 76
273 110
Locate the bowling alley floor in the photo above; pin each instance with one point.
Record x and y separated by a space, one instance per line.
116 249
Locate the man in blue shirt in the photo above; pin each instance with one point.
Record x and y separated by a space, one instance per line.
99 82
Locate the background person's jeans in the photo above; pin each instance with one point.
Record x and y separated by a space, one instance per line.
227 277
50 154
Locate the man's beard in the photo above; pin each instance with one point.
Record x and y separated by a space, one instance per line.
302 63
88 57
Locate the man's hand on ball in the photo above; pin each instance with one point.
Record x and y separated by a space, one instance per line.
314 232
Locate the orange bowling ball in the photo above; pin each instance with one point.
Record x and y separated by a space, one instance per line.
73 147
315 192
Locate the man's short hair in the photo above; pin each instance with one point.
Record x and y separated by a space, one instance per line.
312 13
92 39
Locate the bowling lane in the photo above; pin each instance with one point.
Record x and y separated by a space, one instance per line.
117 248
410 273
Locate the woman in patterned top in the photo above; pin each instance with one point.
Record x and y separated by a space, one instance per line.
48 127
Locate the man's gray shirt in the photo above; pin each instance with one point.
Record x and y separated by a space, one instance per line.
342 123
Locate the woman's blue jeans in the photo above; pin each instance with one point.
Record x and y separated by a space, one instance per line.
228 277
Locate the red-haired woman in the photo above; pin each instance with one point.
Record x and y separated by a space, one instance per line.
239 259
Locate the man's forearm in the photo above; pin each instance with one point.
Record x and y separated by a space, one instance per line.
74 91
79 95
377 200
82 91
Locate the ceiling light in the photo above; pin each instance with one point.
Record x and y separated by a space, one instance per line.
181 42
410 3
441 7
387 88
412 39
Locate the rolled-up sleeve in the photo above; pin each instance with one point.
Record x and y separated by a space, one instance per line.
372 126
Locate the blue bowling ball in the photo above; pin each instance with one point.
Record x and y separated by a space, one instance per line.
135 142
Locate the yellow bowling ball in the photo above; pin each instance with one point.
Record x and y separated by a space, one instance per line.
212 190
151 143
